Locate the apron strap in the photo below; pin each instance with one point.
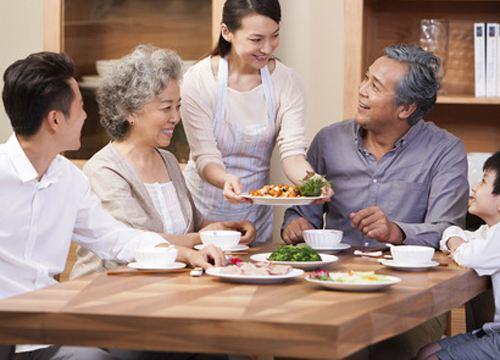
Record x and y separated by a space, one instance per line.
222 78
268 92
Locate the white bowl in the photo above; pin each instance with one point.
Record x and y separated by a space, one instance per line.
225 239
323 239
156 255
412 254
104 66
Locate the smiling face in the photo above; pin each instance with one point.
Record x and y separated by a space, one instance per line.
483 202
154 124
377 92
255 41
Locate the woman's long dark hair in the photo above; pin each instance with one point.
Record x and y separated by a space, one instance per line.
235 10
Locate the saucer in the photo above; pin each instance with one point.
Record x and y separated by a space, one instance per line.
334 249
236 248
408 266
153 266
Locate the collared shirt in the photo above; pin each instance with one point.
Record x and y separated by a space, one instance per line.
38 220
421 184
481 252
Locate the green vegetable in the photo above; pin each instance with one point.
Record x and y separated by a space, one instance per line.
295 253
313 184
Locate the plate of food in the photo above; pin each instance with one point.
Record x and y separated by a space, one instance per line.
298 256
254 273
311 189
352 280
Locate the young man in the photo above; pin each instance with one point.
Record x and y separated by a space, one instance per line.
46 200
479 250
397 179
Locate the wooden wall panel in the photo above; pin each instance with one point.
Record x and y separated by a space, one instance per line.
107 29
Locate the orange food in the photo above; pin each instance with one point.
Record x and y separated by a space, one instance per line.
280 190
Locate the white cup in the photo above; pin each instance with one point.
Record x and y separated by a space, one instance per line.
323 239
156 255
412 254
225 239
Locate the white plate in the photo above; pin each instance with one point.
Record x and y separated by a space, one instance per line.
236 248
152 266
253 279
334 249
355 286
408 267
276 201
305 265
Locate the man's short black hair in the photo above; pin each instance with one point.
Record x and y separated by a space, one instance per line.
493 164
34 86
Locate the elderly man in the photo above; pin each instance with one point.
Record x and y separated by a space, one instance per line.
397 178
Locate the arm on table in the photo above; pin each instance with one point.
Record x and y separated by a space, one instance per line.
447 202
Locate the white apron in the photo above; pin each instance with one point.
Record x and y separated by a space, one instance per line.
246 152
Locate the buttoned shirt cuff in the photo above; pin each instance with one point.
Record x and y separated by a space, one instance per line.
418 234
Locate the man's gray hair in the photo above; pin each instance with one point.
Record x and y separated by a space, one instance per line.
420 85
132 82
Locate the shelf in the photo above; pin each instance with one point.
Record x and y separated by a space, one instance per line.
467 99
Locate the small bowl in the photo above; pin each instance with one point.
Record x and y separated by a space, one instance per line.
323 239
412 254
104 66
225 239
156 255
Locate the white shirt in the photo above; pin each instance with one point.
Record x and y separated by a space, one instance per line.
38 220
166 202
481 252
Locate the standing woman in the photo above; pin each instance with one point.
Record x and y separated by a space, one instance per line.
237 104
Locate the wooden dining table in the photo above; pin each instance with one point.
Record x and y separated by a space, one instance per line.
177 312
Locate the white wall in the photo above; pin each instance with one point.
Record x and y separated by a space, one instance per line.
312 35
21 33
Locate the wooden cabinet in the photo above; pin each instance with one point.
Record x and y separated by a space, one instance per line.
371 25
91 30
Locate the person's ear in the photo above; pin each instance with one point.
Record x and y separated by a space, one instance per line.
131 117
226 34
54 119
405 111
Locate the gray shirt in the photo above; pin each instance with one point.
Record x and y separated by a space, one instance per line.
421 184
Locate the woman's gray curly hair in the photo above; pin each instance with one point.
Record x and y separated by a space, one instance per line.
132 82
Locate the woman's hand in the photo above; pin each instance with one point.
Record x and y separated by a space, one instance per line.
206 258
246 228
326 194
232 190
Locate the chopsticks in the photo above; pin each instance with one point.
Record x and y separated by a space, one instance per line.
143 272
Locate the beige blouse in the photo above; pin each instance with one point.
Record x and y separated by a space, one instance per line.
199 99
125 197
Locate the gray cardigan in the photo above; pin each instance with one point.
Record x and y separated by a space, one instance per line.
124 196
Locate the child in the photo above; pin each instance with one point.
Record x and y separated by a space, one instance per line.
479 250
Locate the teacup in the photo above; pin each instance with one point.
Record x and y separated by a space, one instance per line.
225 239
412 254
323 239
156 255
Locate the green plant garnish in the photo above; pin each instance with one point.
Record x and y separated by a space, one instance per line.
313 184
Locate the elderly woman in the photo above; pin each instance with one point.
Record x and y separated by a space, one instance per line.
139 183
